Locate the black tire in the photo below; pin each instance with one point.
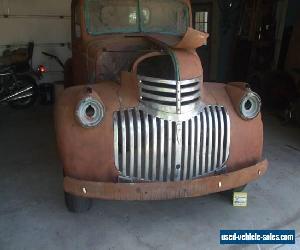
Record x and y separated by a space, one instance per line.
77 204
229 193
26 103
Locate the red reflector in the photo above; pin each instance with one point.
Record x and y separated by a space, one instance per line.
42 69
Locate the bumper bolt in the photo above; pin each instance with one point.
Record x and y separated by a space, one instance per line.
220 184
84 190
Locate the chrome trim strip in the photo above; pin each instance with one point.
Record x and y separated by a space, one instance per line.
147 152
159 98
139 145
228 134
158 89
154 149
169 82
132 143
162 150
186 145
198 142
192 159
178 152
187 82
156 80
116 140
190 89
222 121
216 143
190 97
204 148
208 111
124 152
170 112
169 153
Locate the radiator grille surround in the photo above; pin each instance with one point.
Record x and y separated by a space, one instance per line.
170 95
149 148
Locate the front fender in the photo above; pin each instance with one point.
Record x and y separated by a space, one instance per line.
246 136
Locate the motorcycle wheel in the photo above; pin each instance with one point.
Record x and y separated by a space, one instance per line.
26 81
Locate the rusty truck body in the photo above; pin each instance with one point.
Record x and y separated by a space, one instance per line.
135 120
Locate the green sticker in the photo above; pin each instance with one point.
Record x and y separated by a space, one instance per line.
240 199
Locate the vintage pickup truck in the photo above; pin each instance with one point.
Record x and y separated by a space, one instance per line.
135 121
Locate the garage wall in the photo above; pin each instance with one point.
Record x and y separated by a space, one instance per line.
46 23
214 36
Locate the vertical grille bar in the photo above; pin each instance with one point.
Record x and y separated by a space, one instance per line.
146 136
132 146
124 143
192 148
169 153
210 129
162 150
186 144
204 135
154 148
221 153
216 135
116 140
178 152
139 145
198 142
228 134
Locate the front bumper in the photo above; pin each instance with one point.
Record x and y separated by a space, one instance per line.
165 190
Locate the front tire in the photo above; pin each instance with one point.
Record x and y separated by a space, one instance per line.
229 193
76 204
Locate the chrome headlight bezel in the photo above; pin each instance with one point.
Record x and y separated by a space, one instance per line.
96 109
250 106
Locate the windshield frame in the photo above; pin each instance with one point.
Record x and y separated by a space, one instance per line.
136 29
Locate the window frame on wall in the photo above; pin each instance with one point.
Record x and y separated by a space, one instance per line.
206 49
201 21
77 27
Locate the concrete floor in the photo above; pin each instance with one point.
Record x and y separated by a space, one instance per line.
33 214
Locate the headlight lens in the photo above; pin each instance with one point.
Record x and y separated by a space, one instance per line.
250 106
90 112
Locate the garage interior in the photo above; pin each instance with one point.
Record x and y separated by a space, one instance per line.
250 41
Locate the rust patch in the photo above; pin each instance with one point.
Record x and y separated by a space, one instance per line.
165 190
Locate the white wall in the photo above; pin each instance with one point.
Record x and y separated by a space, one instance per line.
38 21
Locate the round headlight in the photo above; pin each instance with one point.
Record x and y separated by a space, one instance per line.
90 112
250 106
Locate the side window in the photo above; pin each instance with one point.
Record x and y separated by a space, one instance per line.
77 22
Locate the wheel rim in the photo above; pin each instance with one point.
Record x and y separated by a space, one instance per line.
25 101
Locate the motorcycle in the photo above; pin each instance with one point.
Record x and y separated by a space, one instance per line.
18 79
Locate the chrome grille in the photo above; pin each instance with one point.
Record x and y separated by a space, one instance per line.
168 95
152 149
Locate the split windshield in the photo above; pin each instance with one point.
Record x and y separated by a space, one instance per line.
127 16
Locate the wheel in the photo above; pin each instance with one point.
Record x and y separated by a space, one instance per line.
77 204
23 82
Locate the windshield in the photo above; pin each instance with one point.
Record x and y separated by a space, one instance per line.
126 16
